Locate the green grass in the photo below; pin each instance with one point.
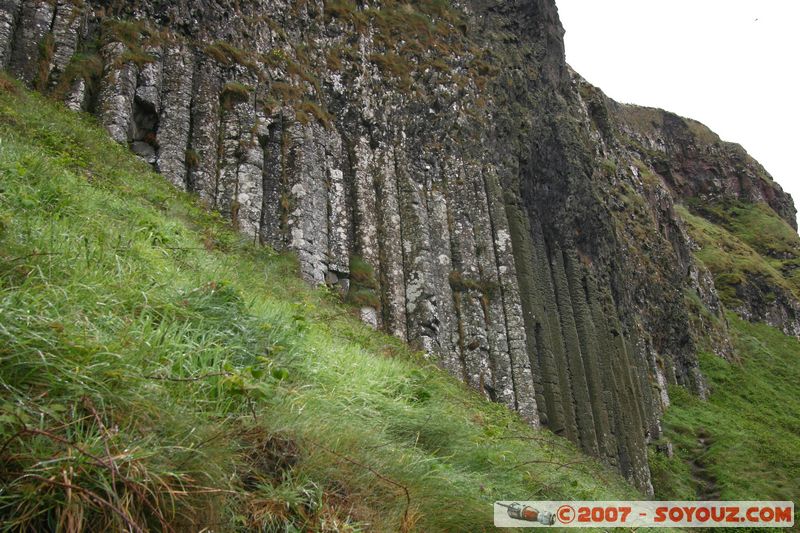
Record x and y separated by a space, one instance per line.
744 442
159 371
759 227
751 423
226 54
730 250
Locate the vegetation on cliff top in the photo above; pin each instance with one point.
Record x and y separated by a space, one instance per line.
161 372
741 242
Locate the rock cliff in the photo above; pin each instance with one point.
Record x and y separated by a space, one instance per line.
443 168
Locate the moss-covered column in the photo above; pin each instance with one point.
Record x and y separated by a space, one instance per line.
590 350
628 413
544 370
574 356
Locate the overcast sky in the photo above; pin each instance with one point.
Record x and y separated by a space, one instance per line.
734 65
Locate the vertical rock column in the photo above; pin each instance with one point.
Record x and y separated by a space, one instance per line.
239 153
430 316
9 13
646 371
117 92
229 155
392 280
627 419
250 187
274 197
438 293
491 296
175 117
204 138
146 107
574 356
509 294
34 24
340 218
465 280
592 359
549 341
611 390
307 220
365 215
550 344
67 24
75 97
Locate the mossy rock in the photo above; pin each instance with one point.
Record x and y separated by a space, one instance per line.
234 93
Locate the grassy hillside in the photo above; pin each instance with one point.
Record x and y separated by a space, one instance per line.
744 442
157 372
740 242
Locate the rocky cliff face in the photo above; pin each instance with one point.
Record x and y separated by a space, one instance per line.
719 181
438 164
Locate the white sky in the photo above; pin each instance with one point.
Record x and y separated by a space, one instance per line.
734 65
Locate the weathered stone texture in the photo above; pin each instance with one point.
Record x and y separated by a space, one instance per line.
67 28
174 117
33 25
117 93
205 135
308 195
9 14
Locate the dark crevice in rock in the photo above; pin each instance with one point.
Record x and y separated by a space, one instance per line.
144 128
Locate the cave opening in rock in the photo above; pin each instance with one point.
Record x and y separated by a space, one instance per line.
144 126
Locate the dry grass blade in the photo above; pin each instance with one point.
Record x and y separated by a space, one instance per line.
129 521
405 524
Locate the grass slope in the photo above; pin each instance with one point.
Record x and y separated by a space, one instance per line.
159 372
740 241
744 442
